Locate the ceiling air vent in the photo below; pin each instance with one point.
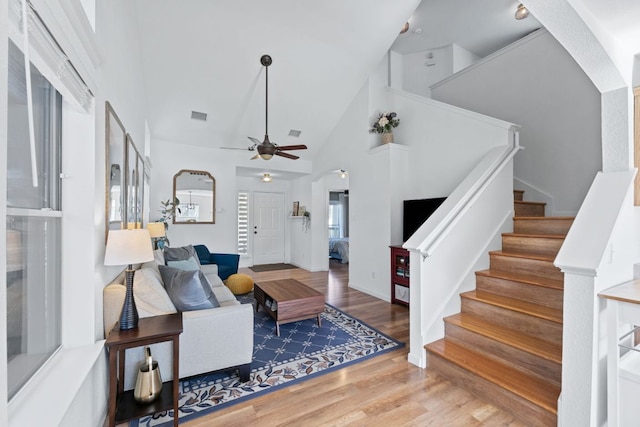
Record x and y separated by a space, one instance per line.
197 115
295 133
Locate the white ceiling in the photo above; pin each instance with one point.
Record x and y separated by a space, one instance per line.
204 55
479 26
619 18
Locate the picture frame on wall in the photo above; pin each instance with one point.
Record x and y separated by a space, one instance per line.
296 207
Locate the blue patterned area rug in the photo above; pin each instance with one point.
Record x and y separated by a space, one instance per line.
303 350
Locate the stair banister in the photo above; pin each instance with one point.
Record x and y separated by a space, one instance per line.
431 233
481 204
598 252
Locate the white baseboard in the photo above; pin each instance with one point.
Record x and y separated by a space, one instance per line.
367 291
420 362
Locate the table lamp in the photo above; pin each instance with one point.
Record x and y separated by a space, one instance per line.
127 247
157 232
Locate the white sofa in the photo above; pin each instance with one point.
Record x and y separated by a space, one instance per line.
212 339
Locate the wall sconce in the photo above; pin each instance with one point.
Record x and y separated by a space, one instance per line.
343 173
521 12
266 177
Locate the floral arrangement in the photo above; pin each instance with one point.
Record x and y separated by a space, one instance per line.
385 123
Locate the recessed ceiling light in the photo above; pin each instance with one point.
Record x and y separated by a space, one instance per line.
521 12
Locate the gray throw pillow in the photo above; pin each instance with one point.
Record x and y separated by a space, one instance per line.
180 254
188 290
187 264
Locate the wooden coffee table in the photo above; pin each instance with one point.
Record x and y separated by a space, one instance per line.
295 301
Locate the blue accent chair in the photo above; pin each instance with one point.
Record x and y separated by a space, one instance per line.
227 263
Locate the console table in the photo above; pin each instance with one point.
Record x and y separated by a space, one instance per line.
151 330
623 308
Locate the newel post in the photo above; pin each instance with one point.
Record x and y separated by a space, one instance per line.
417 307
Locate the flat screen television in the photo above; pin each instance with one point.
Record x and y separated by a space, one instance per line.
416 212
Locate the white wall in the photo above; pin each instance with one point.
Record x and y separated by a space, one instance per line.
168 158
117 40
422 69
537 85
442 144
463 58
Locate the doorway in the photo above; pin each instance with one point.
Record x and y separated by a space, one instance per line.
338 226
268 228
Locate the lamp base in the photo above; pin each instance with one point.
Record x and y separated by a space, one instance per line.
129 315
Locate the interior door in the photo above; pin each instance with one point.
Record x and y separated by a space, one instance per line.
268 228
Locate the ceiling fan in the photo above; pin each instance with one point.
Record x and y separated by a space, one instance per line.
267 149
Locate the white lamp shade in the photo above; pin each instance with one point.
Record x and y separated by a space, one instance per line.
128 247
156 229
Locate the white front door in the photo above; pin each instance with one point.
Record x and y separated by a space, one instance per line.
268 228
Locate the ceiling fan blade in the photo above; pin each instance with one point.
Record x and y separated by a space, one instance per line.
255 157
233 148
292 147
255 141
287 155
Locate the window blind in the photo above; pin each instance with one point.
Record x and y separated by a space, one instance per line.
47 55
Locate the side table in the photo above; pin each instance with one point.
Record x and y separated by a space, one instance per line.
151 330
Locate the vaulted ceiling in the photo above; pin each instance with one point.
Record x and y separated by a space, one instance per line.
204 55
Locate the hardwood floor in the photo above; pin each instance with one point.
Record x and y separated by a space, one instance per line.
384 390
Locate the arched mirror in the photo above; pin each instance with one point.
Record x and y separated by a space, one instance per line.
196 194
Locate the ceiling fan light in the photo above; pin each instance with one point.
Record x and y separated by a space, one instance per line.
266 156
521 12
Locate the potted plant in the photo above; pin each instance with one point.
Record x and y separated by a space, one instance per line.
168 210
384 125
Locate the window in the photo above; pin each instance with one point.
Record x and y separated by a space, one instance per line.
34 219
243 223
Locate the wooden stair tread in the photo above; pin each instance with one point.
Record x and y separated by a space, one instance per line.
520 306
525 202
536 236
544 218
522 255
529 387
523 278
544 349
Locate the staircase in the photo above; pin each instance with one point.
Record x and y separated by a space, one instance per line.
506 344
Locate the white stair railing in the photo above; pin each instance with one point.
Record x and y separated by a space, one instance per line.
453 243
